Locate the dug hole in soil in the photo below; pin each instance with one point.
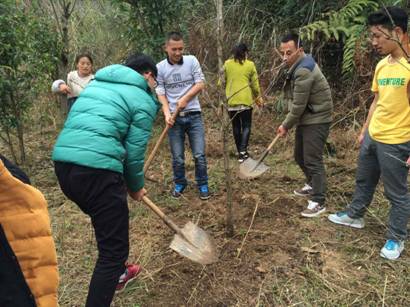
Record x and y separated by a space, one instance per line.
272 248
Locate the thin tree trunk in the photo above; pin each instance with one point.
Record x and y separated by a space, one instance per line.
225 120
10 144
19 128
159 16
62 14
20 137
64 54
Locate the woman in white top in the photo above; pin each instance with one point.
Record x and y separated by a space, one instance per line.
77 80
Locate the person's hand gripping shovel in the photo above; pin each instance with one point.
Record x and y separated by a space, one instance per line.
159 141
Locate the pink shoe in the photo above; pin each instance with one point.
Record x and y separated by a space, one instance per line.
131 271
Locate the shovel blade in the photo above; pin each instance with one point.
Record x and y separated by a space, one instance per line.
248 169
199 246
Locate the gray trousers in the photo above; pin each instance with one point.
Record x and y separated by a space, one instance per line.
309 146
374 162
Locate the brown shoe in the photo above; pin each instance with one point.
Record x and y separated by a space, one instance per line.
313 209
307 190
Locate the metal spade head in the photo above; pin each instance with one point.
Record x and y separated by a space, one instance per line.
195 244
249 169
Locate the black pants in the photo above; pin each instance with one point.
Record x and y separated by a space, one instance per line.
241 126
309 146
70 103
102 195
14 290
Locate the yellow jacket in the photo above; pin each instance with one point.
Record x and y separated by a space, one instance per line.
238 77
26 224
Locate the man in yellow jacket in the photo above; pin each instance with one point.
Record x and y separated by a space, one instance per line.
28 260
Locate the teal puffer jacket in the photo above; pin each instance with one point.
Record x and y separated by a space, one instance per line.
110 124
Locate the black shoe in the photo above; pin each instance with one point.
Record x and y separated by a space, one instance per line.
243 155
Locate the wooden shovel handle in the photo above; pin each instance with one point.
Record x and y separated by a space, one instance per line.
265 153
162 215
166 219
159 141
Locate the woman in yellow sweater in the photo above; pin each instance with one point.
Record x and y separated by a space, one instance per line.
242 89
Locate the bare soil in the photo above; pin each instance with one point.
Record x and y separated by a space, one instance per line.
286 260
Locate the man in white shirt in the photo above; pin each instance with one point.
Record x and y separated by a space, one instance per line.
180 80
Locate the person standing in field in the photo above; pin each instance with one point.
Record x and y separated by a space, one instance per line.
310 110
180 80
77 80
99 157
385 136
28 258
242 90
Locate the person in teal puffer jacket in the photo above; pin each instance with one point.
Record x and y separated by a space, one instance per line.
99 156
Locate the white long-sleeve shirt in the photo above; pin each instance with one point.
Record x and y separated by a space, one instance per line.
74 82
175 80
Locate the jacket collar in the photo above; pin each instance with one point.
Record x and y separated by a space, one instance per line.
179 63
296 64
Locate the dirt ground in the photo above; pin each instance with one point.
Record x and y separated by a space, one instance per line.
285 260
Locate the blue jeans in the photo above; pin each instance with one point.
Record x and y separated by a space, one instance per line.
192 125
375 163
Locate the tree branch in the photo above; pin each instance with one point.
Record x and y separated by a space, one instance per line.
72 7
390 37
56 17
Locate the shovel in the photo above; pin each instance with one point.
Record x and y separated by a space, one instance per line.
159 141
254 168
191 241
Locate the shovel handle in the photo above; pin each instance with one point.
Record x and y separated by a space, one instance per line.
154 151
159 141
265 153
162 215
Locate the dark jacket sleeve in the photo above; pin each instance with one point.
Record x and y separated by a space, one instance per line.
302 88
15 170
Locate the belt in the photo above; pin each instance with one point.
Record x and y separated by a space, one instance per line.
186 113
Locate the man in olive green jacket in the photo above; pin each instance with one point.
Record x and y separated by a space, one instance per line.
310 110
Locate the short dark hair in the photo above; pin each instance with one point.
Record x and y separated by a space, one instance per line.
292 37
141 63
239 52
83 55
175 36
389 17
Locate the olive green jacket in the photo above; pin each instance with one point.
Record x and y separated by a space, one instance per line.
308 94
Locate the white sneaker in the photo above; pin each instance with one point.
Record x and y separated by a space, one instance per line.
392 249
342 218
305 191
313 209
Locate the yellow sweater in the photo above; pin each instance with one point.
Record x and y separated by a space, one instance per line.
390 122
238 77
24 218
